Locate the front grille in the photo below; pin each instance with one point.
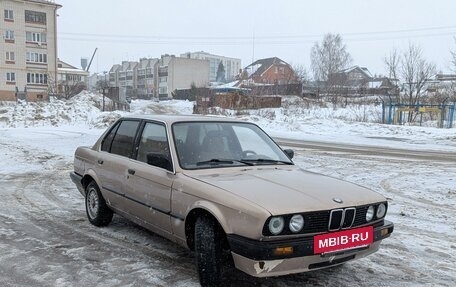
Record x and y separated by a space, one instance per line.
360 217
327 220
335 219
349 217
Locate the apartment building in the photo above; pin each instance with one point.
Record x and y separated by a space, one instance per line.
28 49
175 73
145 77
70 79
232 65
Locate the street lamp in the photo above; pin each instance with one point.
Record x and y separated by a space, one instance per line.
104 90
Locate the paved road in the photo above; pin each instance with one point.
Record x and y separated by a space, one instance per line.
46 240
369 150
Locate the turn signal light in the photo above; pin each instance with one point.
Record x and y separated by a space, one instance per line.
283 250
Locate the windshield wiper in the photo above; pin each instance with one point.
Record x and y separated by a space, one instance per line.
264 160
216 161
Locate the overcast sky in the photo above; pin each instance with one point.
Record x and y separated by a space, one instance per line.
246 29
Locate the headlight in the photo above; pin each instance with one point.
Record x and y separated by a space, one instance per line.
296 223
370 213
276 225
381 210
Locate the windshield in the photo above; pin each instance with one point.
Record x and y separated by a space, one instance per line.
220 144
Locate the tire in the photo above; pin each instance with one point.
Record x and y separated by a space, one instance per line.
97 211
209 251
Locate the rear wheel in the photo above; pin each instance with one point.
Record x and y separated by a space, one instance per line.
209 251
97 211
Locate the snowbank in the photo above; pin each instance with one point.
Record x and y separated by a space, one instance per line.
296 119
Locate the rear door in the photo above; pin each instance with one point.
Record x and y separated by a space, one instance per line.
116 150
149 181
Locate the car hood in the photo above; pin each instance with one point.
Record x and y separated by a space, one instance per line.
284 190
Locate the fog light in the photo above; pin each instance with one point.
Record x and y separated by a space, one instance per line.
384 232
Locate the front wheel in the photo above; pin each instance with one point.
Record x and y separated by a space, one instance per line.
209 251
97 211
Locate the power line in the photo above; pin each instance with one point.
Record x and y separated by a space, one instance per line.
248 42
305 36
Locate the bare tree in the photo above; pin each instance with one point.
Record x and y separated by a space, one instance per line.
414 71
302 76
392 62
453 58
328 57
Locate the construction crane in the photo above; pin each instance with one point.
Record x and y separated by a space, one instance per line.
90 63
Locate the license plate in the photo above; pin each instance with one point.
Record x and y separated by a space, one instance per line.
346 239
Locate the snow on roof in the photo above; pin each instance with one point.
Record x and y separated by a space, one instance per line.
252 69
73 71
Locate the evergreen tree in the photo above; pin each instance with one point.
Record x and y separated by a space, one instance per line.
220 73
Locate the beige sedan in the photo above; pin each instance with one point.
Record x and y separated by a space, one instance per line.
226 190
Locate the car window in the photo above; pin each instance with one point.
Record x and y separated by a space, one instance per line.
107 141
249 139
153 146
214 144
122 143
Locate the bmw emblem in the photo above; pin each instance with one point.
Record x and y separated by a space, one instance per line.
338 200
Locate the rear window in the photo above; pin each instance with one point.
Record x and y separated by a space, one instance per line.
123 141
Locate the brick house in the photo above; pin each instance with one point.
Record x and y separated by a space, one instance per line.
269 71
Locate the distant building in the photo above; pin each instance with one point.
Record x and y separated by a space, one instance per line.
145 77
353 76
269 71
94 79
232 65
70 78
358 81
28 49
174 73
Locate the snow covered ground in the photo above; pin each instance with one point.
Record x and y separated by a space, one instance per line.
45 239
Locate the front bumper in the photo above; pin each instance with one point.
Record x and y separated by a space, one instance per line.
259 258
77 180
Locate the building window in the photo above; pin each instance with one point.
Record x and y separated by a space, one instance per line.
35 17
163 79
163 90
10 56
9 35
11 77
35 37
36 57
36 78
9 15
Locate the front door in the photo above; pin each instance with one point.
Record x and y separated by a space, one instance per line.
150 177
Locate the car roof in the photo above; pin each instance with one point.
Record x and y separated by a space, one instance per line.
170 119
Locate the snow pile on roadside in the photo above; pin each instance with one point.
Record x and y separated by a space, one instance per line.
83 109
296 119
80 110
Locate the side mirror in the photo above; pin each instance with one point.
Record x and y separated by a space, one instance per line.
289 153
159 160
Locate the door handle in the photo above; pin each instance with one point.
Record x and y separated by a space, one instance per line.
100 161
131 171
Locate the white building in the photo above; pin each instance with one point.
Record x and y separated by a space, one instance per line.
28 49
177 73
232 65
70 77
